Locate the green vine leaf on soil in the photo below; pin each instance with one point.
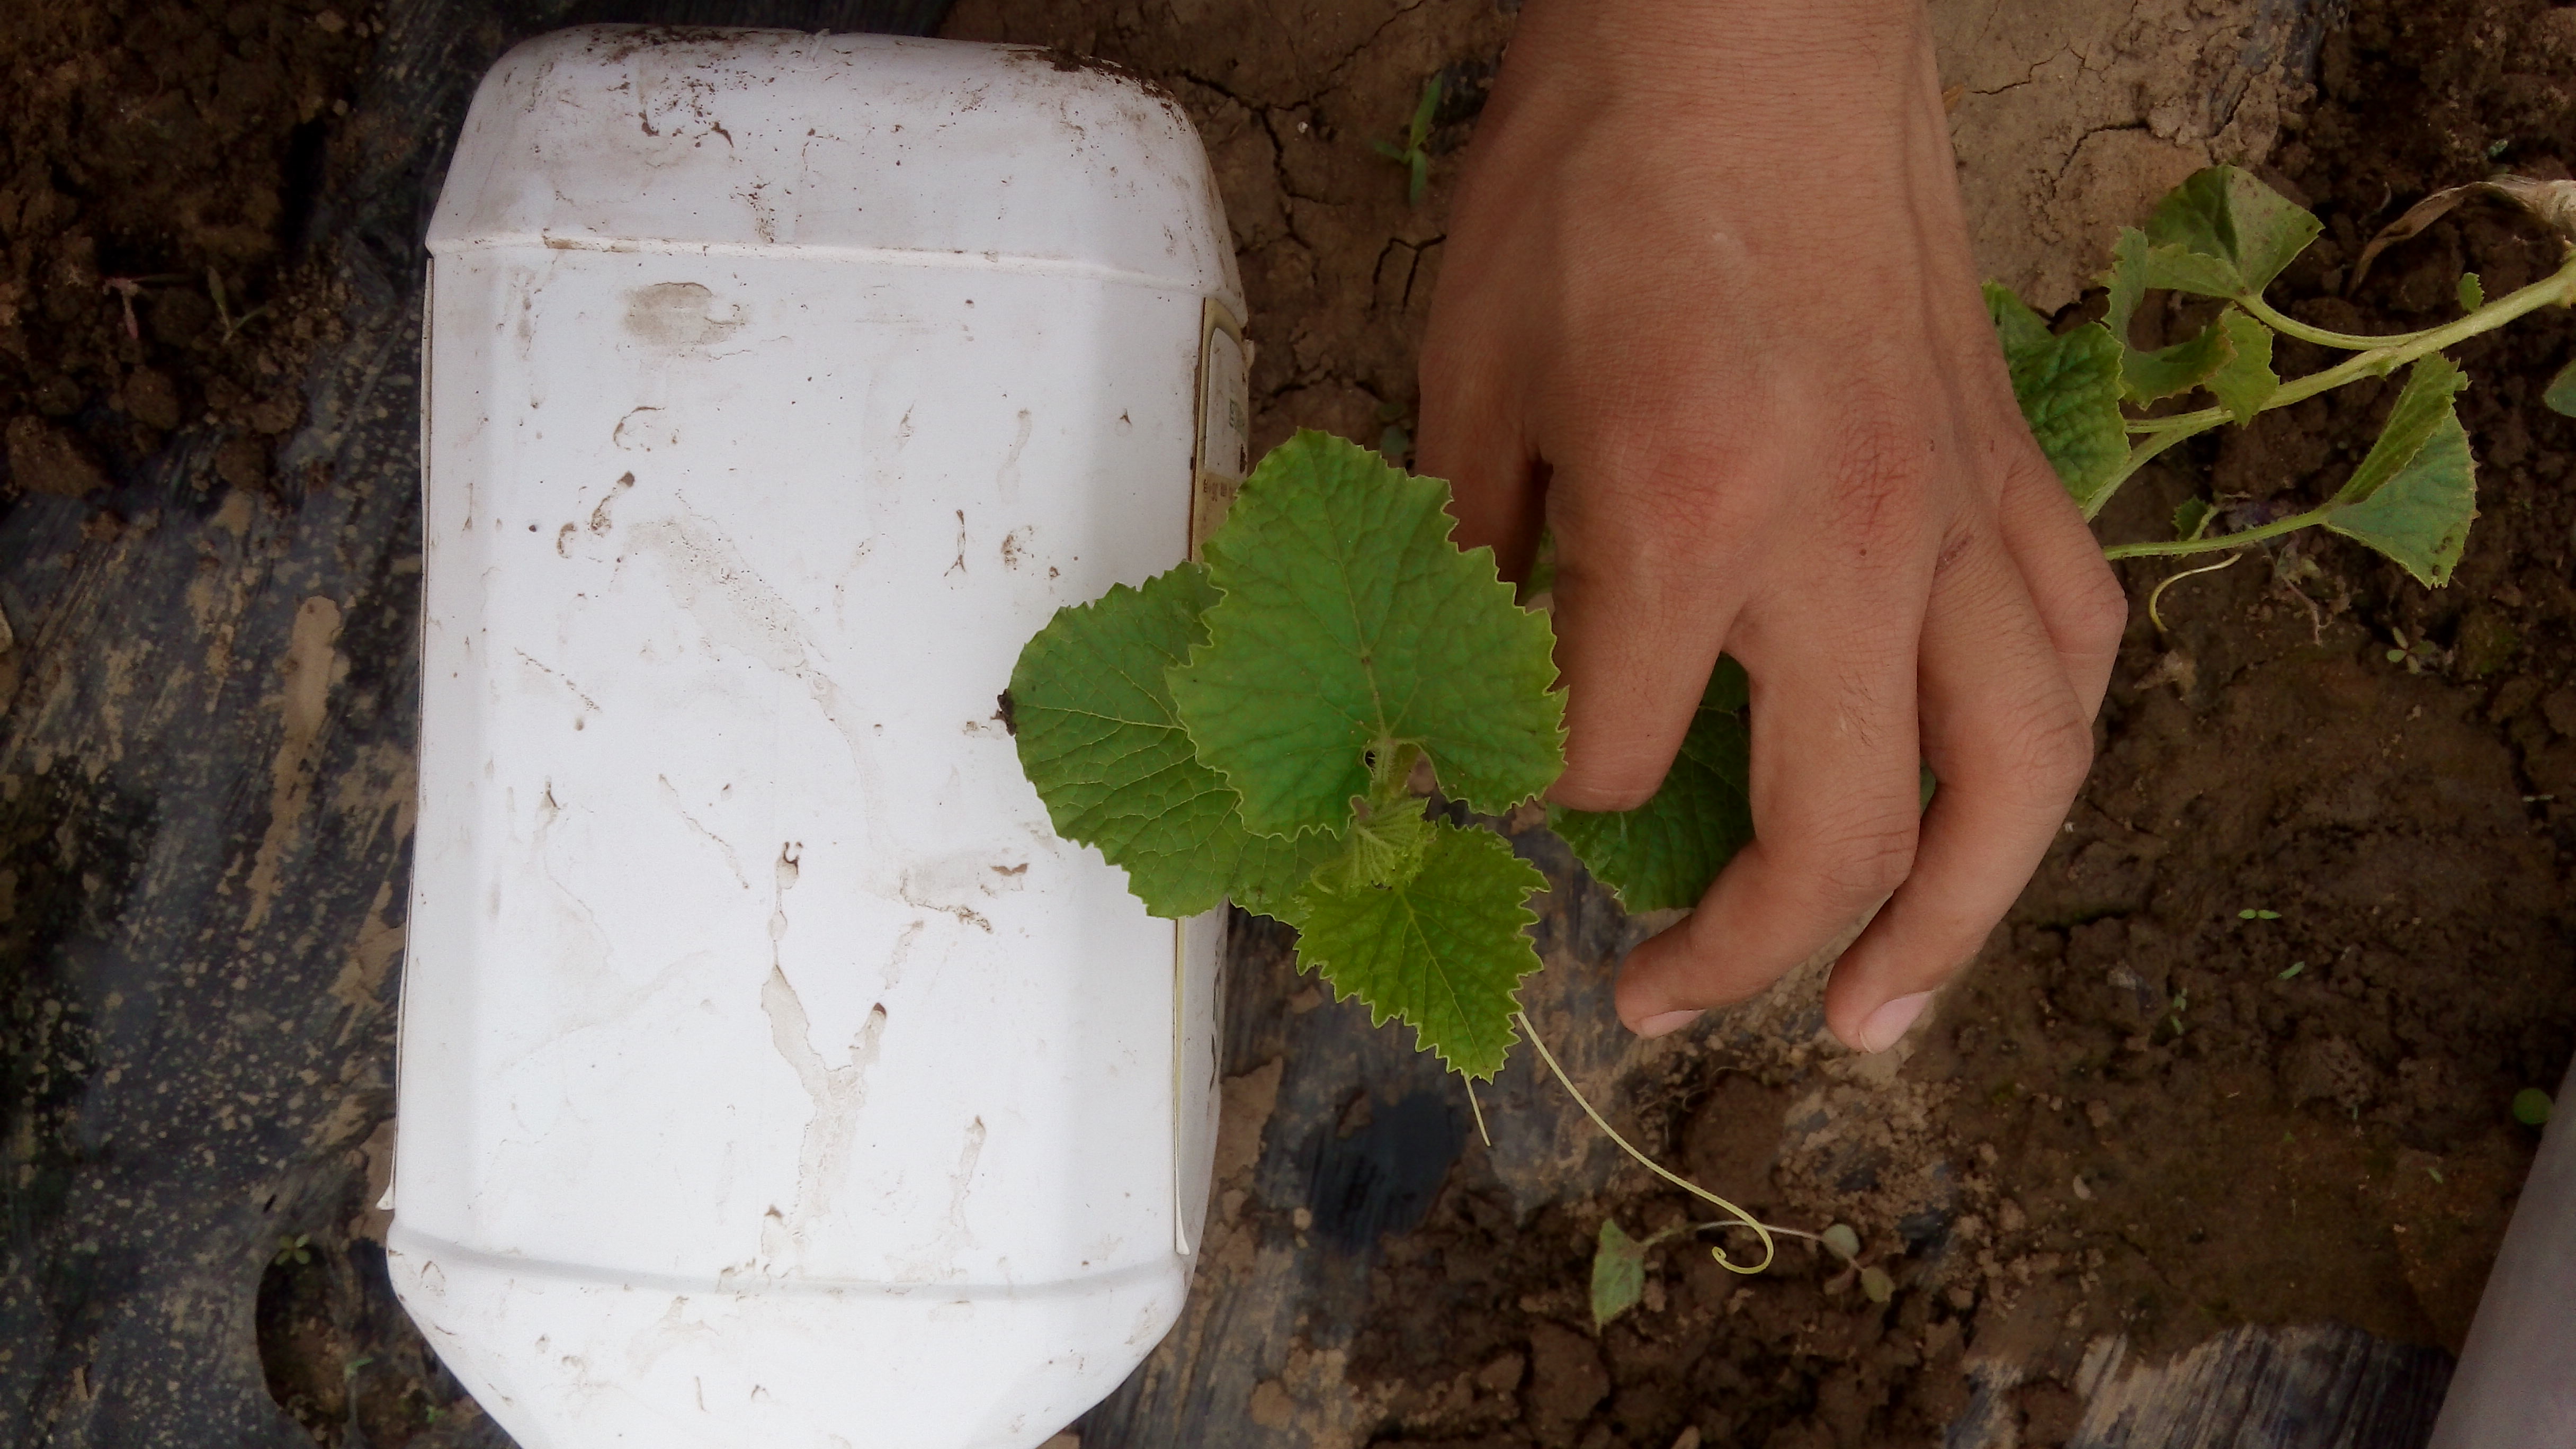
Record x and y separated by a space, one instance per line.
1097 735
1618 1274
1663 854
2415 493
2222 233
2069 389
1442 949
1347 624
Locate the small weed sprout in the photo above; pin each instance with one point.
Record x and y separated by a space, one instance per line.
293 1250
1414 155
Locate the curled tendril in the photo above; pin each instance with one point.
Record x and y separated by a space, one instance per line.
1742 1219
2157 596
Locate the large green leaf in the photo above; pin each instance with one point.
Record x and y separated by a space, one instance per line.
2415 493
1664 853
1350 624
1098 738
2224 234
1441 948
2069 390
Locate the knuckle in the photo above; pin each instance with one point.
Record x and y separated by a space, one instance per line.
2051 751
1860 867
2096 610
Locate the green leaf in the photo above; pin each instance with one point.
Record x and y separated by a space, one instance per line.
1876 1285
2190 518
2180 269
2473 293
2561 396
1841 1241
2423 405
1443 950
2146 377
2127 281
2420 517
2530 1108
1349 623
1098 738
2232 356
2224 234
2069 390
2245 381
1618 1274
2415 492
1664 853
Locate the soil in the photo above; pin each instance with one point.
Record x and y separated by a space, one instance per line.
2143 1118
165 285
2146 1116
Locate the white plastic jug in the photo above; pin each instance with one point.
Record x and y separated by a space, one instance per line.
771 1073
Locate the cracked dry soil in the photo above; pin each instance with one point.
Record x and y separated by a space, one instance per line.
2142 1119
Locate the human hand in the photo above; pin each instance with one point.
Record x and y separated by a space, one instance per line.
1707 311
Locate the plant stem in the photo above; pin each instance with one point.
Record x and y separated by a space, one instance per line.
2289 326
2224 541
2139 457
2383 356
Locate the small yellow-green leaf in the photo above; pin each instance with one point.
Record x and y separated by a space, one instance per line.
2222 233
1876 1285
1442 949
2473 293
1841 1241
1618 1274
2245 380
2069 390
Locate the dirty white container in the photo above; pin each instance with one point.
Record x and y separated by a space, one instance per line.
771 1074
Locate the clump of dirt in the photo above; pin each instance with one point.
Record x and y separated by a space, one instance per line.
160 163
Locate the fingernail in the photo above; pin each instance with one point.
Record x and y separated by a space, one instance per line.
1891 1019
1665 1023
